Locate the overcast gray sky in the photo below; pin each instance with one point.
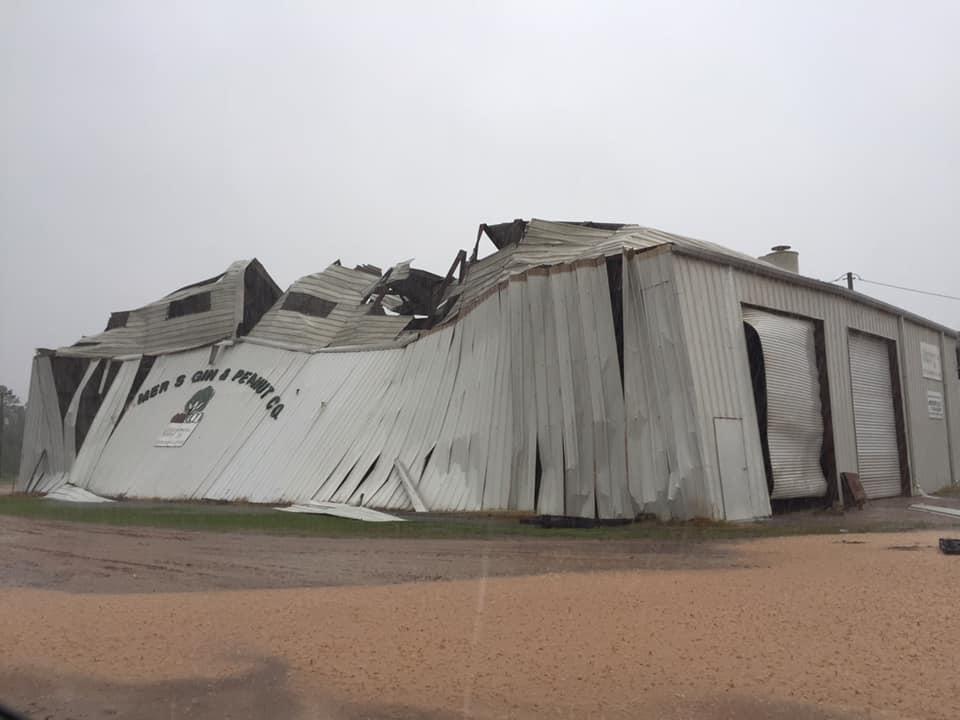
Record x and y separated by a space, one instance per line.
145 145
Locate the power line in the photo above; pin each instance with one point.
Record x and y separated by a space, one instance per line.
913 290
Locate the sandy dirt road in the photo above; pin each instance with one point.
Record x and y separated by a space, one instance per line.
852 626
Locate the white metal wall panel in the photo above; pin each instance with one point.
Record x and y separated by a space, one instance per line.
445 406
70 419
713 331
930 450
952 394
43 461
794 415
150 332
876 428
717 372
838 314
132 465
104 423
665 466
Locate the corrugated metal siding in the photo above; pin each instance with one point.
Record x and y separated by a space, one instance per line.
952 380
669 473
930 454
445 406
837 315
349 322
713 328
794 415
876 428
723 380
104 422
149 332
70 419
43 461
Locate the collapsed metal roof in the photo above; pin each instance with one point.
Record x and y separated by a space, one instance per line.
364 307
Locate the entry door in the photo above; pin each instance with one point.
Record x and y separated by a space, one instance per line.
873 410
732 462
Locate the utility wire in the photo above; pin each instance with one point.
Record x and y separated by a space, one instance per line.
913 290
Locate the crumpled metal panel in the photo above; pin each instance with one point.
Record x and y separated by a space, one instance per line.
43 460
104 422
70 419
548 243
149 332
460 409
349 323
665 469
794 413
720 371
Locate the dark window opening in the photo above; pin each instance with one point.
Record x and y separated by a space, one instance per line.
308 304
118 319
190 305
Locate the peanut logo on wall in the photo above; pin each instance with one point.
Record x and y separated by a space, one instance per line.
183 423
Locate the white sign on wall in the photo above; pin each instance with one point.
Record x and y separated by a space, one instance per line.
175 434
930 361
935 404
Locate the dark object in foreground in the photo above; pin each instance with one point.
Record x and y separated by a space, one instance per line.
8 714
564 521
950 546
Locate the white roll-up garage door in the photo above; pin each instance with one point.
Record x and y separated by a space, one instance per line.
794 417
873 412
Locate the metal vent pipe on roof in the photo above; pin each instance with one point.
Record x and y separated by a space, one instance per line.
784 258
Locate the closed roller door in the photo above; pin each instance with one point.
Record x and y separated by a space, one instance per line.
794 416
876 425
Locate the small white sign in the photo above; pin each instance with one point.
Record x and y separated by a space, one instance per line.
175 434
935 404
930 361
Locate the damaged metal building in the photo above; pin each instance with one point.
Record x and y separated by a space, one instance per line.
581 369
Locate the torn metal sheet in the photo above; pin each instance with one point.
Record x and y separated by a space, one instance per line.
351 512
581 370
180 321
72 493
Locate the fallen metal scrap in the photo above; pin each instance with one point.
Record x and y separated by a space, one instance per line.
351 512
937 510
72 493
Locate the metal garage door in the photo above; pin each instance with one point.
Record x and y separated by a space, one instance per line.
876 425
794 417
